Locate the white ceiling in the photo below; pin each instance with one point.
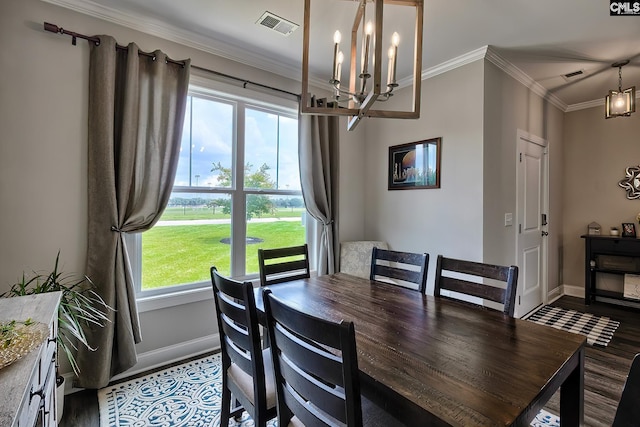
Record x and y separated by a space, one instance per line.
544 39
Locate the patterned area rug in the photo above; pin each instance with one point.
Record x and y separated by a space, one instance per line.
599 330
186 395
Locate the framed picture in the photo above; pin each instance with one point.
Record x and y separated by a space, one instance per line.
628 229
415 165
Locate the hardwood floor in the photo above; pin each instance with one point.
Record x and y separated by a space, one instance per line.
606 370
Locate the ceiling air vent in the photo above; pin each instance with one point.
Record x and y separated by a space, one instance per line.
275 23
574 75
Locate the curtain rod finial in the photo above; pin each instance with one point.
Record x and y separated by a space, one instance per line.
52 27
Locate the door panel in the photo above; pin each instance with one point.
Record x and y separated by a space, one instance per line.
531 206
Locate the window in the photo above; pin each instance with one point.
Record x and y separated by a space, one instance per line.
237 189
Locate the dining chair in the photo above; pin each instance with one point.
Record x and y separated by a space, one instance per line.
316 370
491 289
283 264
405 269
628 412
355 256
247 369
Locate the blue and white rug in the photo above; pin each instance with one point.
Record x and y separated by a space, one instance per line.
598 330
187 395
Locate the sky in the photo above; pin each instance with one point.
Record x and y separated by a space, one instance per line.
209 131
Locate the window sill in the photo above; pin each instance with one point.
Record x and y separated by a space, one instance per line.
175 298
157 302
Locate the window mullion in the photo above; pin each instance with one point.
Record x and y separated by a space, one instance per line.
239 206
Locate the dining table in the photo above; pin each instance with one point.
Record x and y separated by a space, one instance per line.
436 361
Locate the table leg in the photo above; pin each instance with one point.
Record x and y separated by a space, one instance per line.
572 396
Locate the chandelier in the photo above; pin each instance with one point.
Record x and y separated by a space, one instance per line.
620 103
356 96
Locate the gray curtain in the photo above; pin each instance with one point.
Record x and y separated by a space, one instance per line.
136 112
318 144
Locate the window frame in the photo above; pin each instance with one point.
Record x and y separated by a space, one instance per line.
186 293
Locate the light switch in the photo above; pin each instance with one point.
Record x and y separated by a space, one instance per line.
508 219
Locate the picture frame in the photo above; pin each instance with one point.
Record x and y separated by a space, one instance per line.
415 165
628 229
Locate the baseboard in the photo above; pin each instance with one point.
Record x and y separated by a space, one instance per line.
555 294
159 357
573 291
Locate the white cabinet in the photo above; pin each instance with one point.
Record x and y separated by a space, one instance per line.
28 385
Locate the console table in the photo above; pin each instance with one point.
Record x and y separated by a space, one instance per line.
627 248
28 385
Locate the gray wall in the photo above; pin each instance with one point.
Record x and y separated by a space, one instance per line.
437 221
509 106
597 152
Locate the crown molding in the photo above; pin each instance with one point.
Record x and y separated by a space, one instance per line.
160 29
585 105
524 78
454 63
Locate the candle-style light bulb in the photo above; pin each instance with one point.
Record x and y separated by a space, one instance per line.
395 39
336 48
368 30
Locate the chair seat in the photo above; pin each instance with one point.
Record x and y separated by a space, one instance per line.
244 381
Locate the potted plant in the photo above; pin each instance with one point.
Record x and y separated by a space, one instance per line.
80 306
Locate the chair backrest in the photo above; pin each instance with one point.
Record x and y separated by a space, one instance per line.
315 365
403 268
355 257
628 412
487 289
239 329
283 264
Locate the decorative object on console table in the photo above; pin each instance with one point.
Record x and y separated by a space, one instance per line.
415 165
593 229
628 229
18 338
614 231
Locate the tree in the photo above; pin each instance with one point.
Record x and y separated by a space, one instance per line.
256 204
214 203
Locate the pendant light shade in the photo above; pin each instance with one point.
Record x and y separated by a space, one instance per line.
620 103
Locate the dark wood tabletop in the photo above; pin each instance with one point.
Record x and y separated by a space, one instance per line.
434 361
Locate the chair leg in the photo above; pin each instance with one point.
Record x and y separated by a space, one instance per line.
237 409
226 407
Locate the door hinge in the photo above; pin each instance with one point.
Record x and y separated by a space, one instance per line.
520 228
520 157
519 300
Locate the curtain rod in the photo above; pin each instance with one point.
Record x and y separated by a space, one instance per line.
74 36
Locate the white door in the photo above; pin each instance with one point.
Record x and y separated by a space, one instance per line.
531 216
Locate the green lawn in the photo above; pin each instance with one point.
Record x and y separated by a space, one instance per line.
184 253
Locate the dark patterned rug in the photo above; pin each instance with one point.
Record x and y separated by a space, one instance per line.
599 330
187 395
